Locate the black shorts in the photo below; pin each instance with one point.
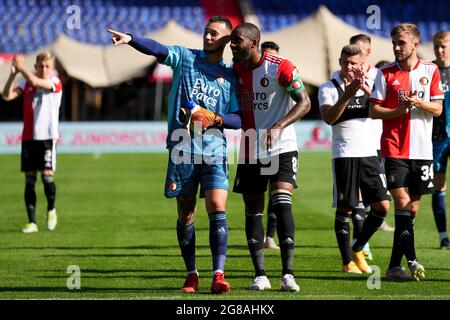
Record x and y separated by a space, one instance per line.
416 175
38 155
381 160
354 174
253 178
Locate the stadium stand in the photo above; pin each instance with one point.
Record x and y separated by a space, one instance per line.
29 25
230 9
430 16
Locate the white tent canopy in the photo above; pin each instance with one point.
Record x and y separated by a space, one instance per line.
314 45
100 66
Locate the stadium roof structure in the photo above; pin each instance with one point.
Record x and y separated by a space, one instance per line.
313 44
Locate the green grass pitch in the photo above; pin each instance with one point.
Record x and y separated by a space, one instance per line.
115 224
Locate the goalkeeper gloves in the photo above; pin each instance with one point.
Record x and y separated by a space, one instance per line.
206 117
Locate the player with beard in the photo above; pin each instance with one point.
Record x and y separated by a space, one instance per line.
269 241
406 96
272 98
201 78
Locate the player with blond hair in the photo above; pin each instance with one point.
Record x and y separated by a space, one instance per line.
42 93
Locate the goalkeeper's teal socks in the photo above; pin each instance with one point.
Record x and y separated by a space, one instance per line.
438 202
186 241
218 239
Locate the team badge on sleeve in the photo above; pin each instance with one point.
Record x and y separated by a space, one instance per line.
173 186
295 85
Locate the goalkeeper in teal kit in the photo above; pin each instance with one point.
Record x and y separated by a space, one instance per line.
197 152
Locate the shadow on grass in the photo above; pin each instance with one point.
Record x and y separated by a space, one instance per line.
117 255
364 278
127 255
434 280
89 289
335 278
140 247
179 273
439 269
180 278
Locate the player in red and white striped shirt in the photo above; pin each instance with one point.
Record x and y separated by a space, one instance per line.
42 92
272 98
406 96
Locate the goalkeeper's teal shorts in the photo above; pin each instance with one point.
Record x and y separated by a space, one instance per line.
184 178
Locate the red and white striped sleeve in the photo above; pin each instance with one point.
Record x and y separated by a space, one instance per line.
289 77
56 84
436 86
378 94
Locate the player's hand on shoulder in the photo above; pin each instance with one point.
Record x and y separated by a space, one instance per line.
119 38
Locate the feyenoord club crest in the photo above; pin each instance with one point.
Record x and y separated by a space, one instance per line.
297 84
264 82
423 80
220 80
173 186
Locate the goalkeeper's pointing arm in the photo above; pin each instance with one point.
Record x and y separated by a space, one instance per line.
144 45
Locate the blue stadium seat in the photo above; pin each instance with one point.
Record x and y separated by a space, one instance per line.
38 22
423 28
433 27
444 25
349 18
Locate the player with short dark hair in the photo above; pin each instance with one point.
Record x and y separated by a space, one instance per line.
441 137
381 63
364 42
42 92
406 97
202 102
364 38
272 97
269 241
270 47
357 172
